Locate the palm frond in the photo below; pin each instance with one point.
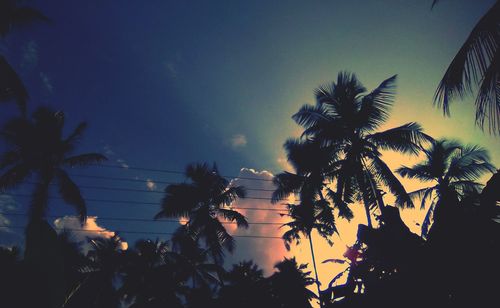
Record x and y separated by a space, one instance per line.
488 97
286 184
375 107
11 86
407 138
235 216
384 175
419 171
230 195
71 194
471 64
14 176
179 200
309 116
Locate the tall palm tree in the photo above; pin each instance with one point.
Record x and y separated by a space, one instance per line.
290 284
36 147
304 219
205 200
346 119
477 63
12 15
452 168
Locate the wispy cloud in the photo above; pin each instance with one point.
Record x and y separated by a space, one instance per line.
7 203
238 141
46 82
150 184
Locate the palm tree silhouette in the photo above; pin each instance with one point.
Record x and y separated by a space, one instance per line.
12 15
346 119
192 261
150 279
453 168
476 63
246 287
204 200
37 147
105 261
289 284
305 218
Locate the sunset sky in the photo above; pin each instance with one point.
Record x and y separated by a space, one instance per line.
167 83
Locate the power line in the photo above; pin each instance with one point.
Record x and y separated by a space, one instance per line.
111 202
145 181
172 171
139 232
123 189
142 219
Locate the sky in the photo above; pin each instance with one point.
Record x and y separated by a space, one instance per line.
167 83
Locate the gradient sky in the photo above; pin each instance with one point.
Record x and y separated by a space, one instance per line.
166 83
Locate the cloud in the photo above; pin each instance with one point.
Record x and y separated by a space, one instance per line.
7 204
171 69
29 55
265 252
238 141
80 234
150 184
47 83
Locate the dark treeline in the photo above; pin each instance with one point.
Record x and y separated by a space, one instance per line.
336 162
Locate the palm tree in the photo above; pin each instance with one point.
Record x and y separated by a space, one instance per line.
12 15
290 284
104 262
193 261
150 279
476 63
304 219
37 147
204 200
346 119
246 287
452 168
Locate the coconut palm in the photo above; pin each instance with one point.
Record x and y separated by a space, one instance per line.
477 63
290 284
452 168
246 287
12 15
192 261
105 261
150 279
345 118
205 200
305 218
37 148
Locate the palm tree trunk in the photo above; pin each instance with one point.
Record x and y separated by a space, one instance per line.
376 192
361 182
315 269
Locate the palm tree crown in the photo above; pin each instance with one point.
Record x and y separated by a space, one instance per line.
204 200
346 119
37 147
452 168
476 63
